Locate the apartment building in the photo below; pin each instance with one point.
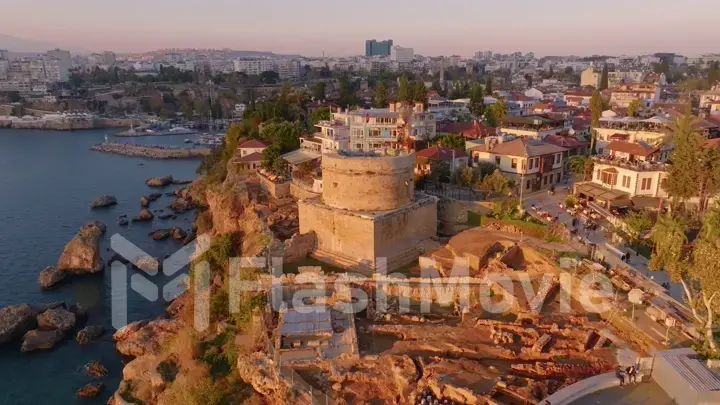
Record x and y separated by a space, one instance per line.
288 69
401 55
385 127
531 163
577 98
253 67
709 97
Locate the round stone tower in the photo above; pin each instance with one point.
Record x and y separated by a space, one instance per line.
368 181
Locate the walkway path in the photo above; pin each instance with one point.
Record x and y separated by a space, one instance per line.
648 393
550 204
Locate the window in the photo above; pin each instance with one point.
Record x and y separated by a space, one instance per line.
557 177
497 160
527 187
513 164
609 177
557 158
524 164
626 181
646 184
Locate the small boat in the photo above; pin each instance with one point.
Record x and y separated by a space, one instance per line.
187 141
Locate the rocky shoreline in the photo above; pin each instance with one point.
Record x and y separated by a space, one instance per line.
151 152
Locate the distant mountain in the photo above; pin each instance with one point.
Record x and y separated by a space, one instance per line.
258 54
21 45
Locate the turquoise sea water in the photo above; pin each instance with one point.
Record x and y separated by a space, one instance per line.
47 180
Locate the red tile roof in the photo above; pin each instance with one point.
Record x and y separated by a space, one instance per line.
253 143
565 141
253 157
440 153
639 149
470 130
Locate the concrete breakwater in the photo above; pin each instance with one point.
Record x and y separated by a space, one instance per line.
152 152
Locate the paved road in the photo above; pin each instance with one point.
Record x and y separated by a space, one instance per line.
550 204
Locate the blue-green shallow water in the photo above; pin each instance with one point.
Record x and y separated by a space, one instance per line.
47 180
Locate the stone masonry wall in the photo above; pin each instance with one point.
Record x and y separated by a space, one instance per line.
367 183
337 232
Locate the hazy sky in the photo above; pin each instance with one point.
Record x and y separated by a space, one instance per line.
432 27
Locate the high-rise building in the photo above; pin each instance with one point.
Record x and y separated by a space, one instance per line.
109 58
378 48
401 55
4 54
288 69
253 67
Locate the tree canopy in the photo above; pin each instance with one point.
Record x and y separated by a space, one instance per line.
403 91
381 96
477 103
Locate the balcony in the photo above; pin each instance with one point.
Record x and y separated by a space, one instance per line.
634 166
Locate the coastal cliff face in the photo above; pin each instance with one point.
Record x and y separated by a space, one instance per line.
173 361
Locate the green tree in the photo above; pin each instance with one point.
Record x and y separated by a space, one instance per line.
582 167
347 93
684 175
381 96
604 80
499 110
637 224
596 110
451 141
466 176
319 91
403 91
634 107
713 76
477 102
496 182
489 86
320 114
419 92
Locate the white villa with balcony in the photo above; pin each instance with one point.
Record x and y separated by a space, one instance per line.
537 164
625 171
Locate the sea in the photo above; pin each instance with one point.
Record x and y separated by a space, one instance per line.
47 181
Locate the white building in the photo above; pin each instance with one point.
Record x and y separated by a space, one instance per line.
288 69
253 67
532 163
401 55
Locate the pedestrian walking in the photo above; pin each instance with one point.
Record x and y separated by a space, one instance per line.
620 376
632 374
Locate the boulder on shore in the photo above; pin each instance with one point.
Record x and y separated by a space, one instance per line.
159 181
58 318
160 234
91 390
122 221
89 333
96 369
178 233
181 205
15 321
144 215
82 254
40 340
103 201
50 277
144 202
165 216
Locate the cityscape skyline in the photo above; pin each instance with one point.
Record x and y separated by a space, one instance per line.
560 27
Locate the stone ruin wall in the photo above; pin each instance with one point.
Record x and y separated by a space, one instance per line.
368 183
336 231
